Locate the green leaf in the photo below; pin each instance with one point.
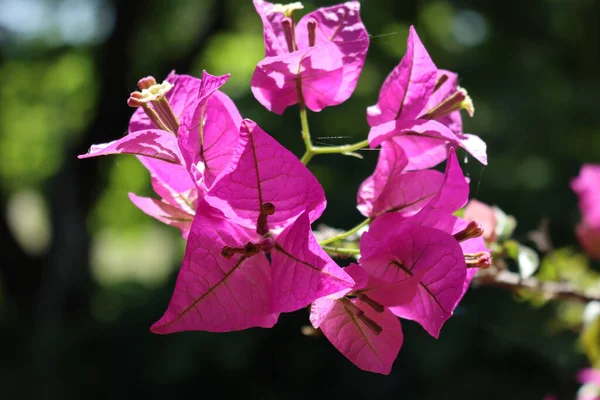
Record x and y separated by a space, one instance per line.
528 261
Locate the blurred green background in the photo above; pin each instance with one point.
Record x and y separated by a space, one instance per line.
84 273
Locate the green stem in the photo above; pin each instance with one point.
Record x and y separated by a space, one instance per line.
341 250
305 130
346 148
344 235
312 150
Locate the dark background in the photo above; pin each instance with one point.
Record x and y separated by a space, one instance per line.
83 273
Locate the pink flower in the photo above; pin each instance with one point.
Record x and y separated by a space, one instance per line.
181 152
408 271
263 204
391 189
394 251
587 188
316 62
438 214
419 108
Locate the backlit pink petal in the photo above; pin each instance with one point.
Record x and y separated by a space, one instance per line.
359 275
390 189
449 87
172 182
317 70
407 88
208 136
412 250
301 271
274 37
263 171
164 212
340 24
182 98
425 142
475 146
395 293
320 309
153 143
454 192
214 293
359 343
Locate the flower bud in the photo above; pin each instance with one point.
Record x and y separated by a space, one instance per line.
474 229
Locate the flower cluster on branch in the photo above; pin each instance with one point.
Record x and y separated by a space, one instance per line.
245 204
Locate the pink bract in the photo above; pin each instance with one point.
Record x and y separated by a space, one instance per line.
179 165
263 171
405 111
364 329
264 203
395 252
391 189
319 74
214 293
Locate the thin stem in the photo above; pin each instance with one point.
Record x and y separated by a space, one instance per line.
550 290
344 235
312 150
305 129
347 148
341 251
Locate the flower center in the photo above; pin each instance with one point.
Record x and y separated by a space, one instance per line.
481 260
266 242
153 101
459 100
352 309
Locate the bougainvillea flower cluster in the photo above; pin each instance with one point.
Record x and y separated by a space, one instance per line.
245 203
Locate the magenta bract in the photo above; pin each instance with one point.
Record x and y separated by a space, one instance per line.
185 160
418 107
263 203
317 62
391 189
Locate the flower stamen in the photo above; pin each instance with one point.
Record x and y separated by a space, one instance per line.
472 230
459 100
161 114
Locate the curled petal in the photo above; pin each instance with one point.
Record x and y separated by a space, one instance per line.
316 73
153 143
274 37
407 88
164 212
208 136
425 142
